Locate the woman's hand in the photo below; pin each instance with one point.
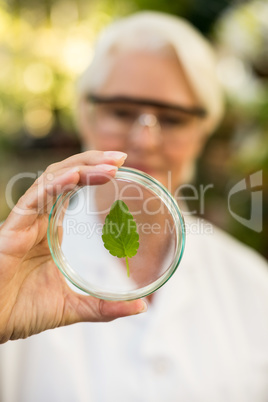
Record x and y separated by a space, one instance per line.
34 295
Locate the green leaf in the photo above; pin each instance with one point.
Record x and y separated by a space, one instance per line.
119 232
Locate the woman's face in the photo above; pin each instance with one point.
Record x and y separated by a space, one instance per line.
160 140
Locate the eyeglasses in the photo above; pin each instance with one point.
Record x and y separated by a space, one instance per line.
121 116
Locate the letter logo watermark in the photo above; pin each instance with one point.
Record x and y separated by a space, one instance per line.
255 221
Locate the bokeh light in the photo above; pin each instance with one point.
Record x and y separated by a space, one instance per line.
38 77
64 14
38 119
76 54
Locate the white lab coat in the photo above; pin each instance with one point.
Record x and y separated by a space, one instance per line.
203 339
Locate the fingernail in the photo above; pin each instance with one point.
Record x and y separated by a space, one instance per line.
107 168
144 307
116 155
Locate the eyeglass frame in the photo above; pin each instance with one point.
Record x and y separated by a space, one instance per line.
194 111
143 118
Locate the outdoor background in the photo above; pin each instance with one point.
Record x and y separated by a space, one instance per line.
45 45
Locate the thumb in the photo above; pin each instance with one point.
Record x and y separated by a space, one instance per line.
80 308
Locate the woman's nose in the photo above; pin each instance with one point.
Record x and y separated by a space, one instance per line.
146 131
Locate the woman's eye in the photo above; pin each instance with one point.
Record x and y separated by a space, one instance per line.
171 121
122 114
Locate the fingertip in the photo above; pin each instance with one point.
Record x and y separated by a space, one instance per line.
143 307
117 156
112 309
106 168
136 307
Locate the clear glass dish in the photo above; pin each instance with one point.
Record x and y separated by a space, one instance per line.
75 237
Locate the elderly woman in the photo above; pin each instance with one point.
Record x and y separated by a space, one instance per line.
151 92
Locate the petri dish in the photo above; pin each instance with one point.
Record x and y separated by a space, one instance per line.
75 236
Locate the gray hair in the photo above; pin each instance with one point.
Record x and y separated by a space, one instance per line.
157 32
